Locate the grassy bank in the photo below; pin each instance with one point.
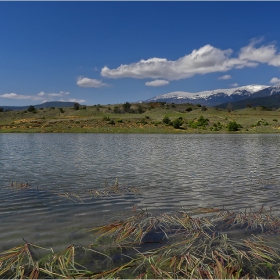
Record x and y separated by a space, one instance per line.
141 118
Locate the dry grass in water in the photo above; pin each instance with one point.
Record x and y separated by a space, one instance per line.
106 191
206 243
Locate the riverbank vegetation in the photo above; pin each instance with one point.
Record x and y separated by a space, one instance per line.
208 243
200 243
158 117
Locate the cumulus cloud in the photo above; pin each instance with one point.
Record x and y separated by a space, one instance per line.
87 82
234 85
206 59
225 77
275 81
263 54
157 83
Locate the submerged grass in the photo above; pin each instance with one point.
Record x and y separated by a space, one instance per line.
168 245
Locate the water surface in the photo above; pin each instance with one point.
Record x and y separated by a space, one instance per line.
171 172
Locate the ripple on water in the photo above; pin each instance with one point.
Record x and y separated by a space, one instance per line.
170 171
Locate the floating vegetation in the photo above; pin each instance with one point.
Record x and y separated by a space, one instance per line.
194 245
19 185
106 191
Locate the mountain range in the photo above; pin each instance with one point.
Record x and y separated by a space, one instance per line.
221 97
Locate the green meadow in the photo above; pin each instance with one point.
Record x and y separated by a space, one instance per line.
156 117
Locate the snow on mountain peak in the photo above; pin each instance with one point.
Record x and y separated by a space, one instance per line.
217 95
204 94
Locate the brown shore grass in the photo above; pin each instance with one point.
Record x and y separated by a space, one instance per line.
195 245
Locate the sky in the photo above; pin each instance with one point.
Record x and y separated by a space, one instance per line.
116 52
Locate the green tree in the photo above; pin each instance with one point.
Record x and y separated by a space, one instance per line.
76 106
140 109
31 108
126 106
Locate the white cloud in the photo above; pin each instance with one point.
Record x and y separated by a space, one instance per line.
42 96
225 77
61 93
207 59
275 81
264 54
234 85
87 82
73 100
157 83
20 96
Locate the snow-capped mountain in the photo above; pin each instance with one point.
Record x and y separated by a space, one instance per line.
268 97
211 97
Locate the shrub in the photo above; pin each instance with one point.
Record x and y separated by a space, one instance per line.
140 109
116 110
142 121
264 108
233 126
200 123
106 118
203 108
177 123
216 126
189 109
166 120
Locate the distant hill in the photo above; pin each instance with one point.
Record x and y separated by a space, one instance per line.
55 104
268 97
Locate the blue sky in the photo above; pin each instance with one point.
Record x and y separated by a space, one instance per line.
113 52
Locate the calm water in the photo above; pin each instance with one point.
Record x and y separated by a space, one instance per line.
170 171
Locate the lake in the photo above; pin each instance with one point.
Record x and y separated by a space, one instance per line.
169 171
